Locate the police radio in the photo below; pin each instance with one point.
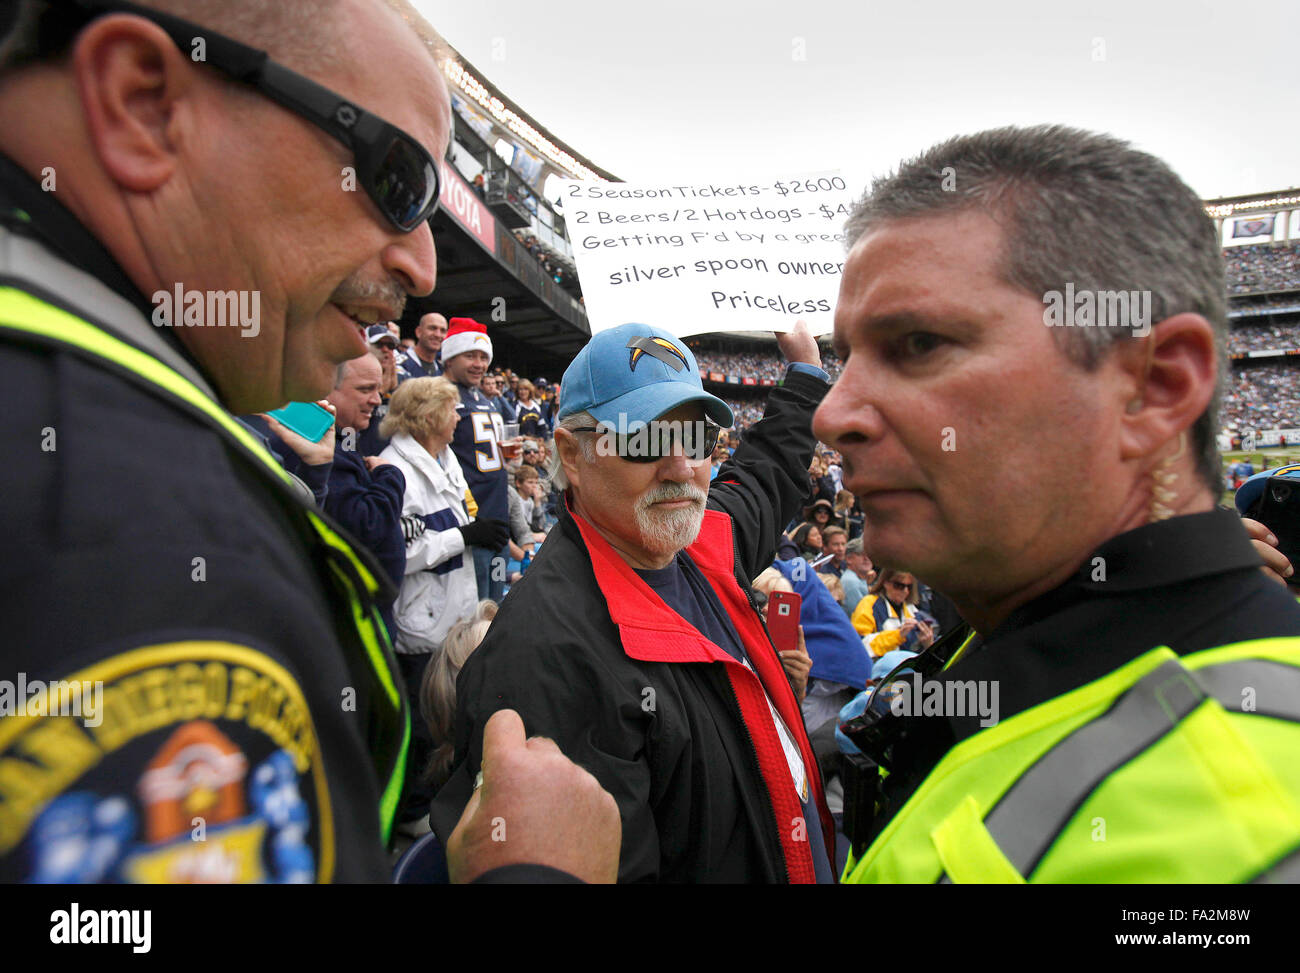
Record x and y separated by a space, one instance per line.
867 807
1273 498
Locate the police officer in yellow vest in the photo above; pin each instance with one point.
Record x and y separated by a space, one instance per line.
1033 322
194 681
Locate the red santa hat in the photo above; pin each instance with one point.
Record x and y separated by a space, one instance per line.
465 334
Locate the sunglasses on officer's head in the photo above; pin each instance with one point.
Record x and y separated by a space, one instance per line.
658 439
396 171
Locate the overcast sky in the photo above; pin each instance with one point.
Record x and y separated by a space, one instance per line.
712 89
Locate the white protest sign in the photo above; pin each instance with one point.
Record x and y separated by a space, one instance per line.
718 256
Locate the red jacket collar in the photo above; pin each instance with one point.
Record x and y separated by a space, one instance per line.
651 631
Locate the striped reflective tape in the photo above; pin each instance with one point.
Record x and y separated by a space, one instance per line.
1254 686
1027 819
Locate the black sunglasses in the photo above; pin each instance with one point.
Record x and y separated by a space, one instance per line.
396 171
658 439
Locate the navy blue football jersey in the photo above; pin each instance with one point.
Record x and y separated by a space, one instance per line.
475 445
530 418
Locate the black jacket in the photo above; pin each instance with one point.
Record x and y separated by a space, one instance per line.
676 730
141 553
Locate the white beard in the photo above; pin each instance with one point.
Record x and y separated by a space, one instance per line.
670 531
665 532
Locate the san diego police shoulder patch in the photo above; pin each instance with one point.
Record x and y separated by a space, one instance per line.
183 762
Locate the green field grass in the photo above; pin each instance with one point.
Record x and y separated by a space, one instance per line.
1264 459
1277 456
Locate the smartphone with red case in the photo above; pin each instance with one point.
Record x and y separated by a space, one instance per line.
783 619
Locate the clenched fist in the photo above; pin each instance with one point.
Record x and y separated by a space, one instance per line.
535 807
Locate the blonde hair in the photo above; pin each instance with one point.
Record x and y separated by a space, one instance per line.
769 580
419 406
833 585
438 690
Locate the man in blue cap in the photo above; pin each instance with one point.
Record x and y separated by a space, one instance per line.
632 641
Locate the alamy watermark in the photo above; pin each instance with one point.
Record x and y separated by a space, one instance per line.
179 308
911 696
81 698
1098 309
130 927
658 437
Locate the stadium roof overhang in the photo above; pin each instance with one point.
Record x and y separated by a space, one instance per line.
486 274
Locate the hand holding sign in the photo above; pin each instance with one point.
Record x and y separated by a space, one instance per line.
799 345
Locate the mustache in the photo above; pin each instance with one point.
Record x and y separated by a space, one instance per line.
387 292
673 491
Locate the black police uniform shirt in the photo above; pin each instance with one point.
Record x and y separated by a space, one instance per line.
475 446
217 740
686 591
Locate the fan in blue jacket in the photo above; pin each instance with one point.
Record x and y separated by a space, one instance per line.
365 493
840 663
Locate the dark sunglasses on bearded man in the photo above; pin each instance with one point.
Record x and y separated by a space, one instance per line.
653 441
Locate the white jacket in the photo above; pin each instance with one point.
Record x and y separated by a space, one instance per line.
437 591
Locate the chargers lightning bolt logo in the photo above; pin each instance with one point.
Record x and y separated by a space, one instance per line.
660 348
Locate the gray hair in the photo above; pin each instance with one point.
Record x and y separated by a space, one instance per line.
1082 208
554 468
299 33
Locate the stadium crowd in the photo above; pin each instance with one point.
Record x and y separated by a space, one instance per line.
1262 397
747 412
557 266
1264 305
1262 267
1265 337
760 364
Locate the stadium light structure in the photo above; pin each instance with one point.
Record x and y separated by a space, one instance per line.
475 90
1220 210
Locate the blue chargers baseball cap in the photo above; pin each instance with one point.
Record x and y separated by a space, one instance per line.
378 332
638 372
1250 491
